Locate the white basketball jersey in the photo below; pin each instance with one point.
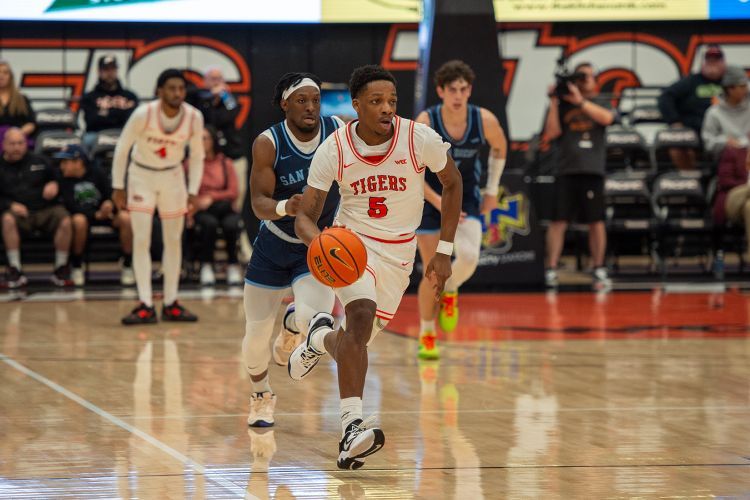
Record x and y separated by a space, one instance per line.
381 196
156 148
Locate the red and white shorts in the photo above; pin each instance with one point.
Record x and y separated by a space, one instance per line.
386 277
162 189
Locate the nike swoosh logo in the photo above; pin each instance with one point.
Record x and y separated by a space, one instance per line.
349 165
348 441
285 157
334 253
404 264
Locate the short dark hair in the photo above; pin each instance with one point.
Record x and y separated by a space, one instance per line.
453 70
168 74
288 80
365 74
581 65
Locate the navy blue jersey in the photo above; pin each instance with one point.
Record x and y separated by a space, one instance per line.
465 152
292 166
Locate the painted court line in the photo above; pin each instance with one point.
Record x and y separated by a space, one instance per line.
228 485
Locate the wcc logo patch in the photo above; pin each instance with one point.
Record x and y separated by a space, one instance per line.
511 216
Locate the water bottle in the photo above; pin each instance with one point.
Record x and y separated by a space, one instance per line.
228 99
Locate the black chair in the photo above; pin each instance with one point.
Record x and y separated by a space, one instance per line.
55 119
647 120
666 139
630 218
50 142
627 151
685 225
103 152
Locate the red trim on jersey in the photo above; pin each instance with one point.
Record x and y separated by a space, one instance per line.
361 158
384 314
383 317
413 153
191 127
161 126
339 156
389 241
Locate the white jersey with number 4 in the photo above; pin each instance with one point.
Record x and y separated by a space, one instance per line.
382 187
155 148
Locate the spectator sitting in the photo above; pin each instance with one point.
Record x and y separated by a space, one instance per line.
727 123
86 192
109 105
732 201
15 108
216 196
684 103
29 202
220 109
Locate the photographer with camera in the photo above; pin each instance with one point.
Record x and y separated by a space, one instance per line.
578 124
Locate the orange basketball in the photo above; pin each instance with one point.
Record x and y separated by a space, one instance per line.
337 257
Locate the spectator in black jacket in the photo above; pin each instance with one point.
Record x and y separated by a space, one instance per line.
29 202
109 105
86 193
684 103
15 108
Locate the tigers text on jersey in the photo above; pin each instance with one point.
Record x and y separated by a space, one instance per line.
382 187
155 148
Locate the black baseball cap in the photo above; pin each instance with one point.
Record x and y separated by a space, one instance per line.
107 61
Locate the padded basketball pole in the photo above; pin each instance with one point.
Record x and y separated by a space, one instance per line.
464 30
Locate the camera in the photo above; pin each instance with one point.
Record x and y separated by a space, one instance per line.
563 76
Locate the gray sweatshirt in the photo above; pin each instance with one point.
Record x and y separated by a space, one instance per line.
723 121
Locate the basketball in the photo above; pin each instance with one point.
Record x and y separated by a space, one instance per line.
337 257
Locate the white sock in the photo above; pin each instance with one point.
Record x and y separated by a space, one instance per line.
317 341
61 258
351 410
14 258
141 223
426 325
172 257
261 385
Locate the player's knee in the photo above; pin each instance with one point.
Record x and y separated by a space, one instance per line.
360 316
65 224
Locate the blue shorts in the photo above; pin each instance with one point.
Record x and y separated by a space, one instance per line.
276 263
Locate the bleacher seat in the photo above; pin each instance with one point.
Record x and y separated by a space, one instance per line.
647 120
630 218
103 151
666 139
627 151
50 142
682 212
55 119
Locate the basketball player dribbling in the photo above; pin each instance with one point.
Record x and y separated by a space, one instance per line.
159 132
281 161
379 162
466 128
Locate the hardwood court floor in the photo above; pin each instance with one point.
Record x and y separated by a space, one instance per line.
536 396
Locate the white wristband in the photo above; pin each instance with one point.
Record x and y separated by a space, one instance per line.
495 167
445 247
281 208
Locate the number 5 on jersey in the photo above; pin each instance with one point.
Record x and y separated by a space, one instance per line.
378 208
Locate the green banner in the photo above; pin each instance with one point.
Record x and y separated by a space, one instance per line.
82 4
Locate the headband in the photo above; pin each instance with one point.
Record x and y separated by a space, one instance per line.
305 82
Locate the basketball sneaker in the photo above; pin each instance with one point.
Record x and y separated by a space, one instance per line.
287 339
601 280
359 441
261 409
550 278
428 348
14 278
305 357
175 312
448 315
234 275
61 276
141 315
78 276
